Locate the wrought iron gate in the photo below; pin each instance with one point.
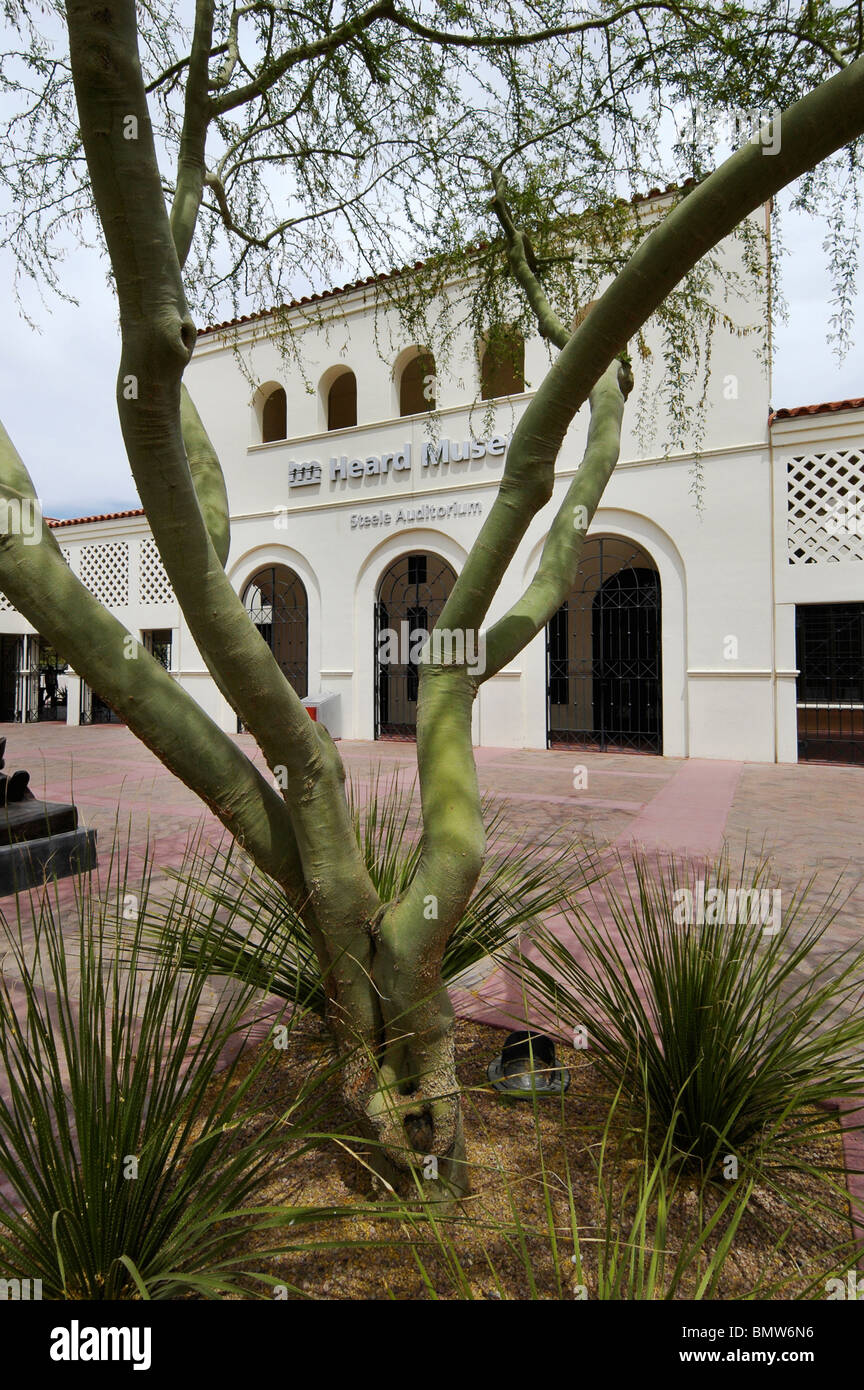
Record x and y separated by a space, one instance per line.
27 694
93 709
604 686
276 601
411 598
33 680
51 695
829 640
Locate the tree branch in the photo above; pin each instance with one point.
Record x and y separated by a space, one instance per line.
203 460
157 340
316 48
522 262
232 46
562 551
812 129
601 24
822 122
193 137
207 477
40 584
158 336
170 74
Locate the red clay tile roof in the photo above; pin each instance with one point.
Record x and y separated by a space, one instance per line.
401 270
796 412
82 520
314 298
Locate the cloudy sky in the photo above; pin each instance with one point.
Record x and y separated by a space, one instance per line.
57 398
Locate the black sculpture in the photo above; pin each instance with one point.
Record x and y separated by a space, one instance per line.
16 787
39 840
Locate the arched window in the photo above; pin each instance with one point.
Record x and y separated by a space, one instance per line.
502 368
274 417
342 402
417 385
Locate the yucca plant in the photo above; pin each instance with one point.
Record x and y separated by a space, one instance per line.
271 947
644 1250
122 1129
732 1032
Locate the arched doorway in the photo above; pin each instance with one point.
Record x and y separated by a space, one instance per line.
411 595
603 647
275 599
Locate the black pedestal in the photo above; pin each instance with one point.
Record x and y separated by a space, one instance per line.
29 863
41 840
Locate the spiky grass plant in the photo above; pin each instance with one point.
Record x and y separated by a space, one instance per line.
637 1204
123 1150
271 947
734 1031
657 1232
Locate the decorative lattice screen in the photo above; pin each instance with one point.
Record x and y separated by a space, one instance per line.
105 572
5 605
153 583
825 507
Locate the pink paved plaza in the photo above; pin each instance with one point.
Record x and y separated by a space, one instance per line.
807 815
808 818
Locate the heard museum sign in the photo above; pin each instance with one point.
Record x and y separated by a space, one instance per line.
433 457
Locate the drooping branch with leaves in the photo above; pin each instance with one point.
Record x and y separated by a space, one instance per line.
360 108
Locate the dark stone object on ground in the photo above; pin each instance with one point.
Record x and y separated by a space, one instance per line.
28 863
38 839
15 788
33 820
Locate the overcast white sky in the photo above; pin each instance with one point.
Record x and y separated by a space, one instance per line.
57 399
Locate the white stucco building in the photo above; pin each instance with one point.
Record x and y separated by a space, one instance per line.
734 631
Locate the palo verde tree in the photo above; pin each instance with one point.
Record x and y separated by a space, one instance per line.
223 149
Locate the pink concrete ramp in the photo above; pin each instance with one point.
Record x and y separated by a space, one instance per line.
689 813
685 818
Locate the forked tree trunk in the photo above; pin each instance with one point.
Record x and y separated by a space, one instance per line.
404 1096
389 1010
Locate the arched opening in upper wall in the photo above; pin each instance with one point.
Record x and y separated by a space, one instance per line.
274 414
339 396
502 363
415 378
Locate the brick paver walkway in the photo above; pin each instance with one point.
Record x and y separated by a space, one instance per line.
809 818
